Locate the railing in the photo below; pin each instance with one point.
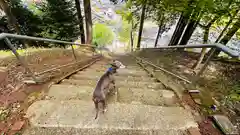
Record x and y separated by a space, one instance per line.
6 36
221 47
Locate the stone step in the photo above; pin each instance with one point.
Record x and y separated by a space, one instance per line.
93 73
118 78
71 92
123 70
147 96
119 83
75 117
104 67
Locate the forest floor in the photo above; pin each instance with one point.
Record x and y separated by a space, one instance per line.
219 85
15 95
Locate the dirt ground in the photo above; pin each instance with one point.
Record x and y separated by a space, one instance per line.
15 96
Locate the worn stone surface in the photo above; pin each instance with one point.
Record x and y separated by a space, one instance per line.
145 96
99 131
56 117
167 81
120 73
69 109
122 78
71 92
119 83
169 97
226 125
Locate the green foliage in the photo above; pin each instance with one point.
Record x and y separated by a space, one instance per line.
234 94
124 34
30 24
102 35
59 20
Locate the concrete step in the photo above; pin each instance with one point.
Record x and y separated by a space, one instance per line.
118 78
147 96
119 83
104 67
93 73
48 117
71 92
120 71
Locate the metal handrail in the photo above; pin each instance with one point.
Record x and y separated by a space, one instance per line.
162 69
223 48
6 36
25 37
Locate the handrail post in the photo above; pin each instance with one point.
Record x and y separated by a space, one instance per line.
74 55
9 44
206 62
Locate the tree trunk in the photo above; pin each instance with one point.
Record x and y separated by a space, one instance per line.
229 35
158 35
88 20
176 30
11 19
205 40
225 28
80 19
159 32
141 25
192 25
204 50
182 22
180 30
131 36
188 32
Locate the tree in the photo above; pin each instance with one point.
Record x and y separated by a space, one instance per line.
102 35
131 16
163 15
88 20
11 18
29 23
4 28
59 20
205 41
141 24
191 26
228 35
80 19
227 25
182 22
211 16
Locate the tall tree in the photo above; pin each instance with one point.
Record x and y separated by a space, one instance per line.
159 32
216 12
141 25
4 28
205 41
88 20
229 35
227 25
11 18
80 19
182 22
60 20
30 23
191 26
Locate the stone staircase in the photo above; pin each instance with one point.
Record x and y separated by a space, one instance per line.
141 106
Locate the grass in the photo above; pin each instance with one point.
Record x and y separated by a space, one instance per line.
7 53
